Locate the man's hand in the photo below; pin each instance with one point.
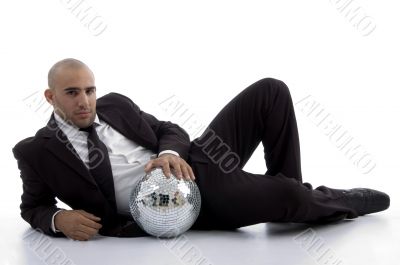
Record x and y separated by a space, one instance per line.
180 168
77 224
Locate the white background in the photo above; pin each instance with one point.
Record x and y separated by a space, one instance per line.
204 53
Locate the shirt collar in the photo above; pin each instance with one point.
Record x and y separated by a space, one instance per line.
69 126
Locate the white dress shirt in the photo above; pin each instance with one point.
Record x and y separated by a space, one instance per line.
127 158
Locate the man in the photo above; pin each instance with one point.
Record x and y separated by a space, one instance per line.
61 161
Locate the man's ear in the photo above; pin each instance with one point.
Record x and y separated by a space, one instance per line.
48 93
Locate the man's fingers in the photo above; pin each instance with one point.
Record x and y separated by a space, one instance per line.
185 172
89 220
177 169
191 173
90 223
166 169
167 162
148 166
185 169
89 215
77 224
87 230
156 163
79 235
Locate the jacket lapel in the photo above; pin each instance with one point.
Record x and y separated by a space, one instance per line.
59 145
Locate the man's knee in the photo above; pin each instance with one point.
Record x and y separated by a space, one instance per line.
273 85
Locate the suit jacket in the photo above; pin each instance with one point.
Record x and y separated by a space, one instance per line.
49 169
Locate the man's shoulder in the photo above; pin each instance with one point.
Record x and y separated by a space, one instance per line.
113 96
32 143
115 100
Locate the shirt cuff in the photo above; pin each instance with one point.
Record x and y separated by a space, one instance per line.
53 227
168 152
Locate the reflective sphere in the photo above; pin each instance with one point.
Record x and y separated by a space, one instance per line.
165 207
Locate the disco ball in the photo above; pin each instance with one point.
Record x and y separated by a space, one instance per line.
165 207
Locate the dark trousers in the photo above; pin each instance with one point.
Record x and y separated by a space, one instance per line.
232 197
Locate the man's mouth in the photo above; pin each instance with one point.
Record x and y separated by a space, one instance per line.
83 113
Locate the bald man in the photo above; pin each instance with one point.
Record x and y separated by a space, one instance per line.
58 162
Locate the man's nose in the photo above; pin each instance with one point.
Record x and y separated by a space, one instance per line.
83 100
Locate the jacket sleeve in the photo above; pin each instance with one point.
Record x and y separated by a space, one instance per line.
170 135
38 202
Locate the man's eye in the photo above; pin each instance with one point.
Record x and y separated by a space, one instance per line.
71 92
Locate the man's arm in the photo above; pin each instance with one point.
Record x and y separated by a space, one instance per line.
39 209
38 202
169 135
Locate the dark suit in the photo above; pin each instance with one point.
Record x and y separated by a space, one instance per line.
231 197
49 169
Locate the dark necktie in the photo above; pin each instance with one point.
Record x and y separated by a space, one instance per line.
99 164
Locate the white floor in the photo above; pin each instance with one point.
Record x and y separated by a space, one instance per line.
201 54
372 239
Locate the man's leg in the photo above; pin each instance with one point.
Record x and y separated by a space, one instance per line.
241 198
263 112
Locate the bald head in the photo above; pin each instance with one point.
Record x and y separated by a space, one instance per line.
72 92
60 66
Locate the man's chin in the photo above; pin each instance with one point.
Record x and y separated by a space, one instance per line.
84 123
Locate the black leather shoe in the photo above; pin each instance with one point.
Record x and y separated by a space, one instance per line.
365 201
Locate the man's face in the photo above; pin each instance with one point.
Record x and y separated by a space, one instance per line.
74 96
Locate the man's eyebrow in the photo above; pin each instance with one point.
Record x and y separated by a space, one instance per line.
71 88
77 88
